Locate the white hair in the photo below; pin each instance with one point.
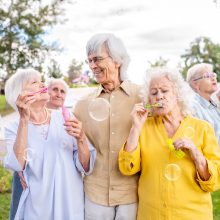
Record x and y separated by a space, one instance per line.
53 81
182 90
192 71
115 48
14 85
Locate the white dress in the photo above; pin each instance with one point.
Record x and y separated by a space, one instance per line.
53 173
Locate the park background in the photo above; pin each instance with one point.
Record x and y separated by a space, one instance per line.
51 35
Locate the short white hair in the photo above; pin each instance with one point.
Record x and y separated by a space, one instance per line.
115 48
14 84
53 81
192 71
183 91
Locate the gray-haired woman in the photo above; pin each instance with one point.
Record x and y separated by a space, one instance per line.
50 155
177 155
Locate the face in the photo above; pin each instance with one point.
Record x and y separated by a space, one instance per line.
105 70
205 82
57 94
162 91
36 86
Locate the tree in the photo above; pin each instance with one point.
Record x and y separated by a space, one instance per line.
158 63
54 70
202 50
75 69
23 24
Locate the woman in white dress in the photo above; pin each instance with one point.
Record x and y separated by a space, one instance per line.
51 150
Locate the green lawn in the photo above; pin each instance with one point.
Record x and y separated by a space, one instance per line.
4 206
4 108
216 204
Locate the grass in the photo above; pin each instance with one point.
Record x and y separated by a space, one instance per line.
4 205
4 108
216 204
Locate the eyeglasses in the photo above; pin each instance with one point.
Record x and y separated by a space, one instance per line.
206 76
96 60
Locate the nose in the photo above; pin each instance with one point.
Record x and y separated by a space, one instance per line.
159 96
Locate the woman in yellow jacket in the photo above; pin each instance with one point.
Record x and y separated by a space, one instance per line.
177 155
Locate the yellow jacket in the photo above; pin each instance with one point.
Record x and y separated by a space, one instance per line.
187 197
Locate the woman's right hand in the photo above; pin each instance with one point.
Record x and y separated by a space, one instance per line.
139 115
24 100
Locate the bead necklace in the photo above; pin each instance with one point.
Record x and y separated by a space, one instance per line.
44 121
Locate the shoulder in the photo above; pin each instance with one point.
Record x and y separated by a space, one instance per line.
199 123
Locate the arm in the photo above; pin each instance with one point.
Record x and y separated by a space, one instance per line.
74 128
129 155
207 162
18 139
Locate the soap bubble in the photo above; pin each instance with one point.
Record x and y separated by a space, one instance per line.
189 132
99 109
29 154
172 172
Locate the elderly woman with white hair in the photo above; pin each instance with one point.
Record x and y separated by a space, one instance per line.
57 90
176 154
51 150
203 81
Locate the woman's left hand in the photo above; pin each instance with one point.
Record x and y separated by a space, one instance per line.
185 145
74 128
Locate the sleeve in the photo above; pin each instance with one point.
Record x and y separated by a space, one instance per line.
91 159
10 161
129 162
211 152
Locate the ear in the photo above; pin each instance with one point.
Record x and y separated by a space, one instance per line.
117 65
195 86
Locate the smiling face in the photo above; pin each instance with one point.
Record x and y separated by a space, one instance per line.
36 87
162 91
57 94
105 70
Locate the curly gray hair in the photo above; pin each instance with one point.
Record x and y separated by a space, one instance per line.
182 90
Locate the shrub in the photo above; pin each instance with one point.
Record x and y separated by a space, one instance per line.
5 180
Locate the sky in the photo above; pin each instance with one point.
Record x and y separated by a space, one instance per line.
148 28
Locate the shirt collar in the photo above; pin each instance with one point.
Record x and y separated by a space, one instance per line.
205 103
125 86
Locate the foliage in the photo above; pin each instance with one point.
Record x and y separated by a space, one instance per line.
4 205
54 70
5 180
158 63
23 23
216 204
74 70
4 107
202 50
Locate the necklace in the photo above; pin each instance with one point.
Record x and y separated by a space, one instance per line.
44 121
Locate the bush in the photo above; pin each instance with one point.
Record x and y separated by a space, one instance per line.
5 180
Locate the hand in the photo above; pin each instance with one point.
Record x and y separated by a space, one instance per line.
74 128
139 115
186 145
22 180
24 100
